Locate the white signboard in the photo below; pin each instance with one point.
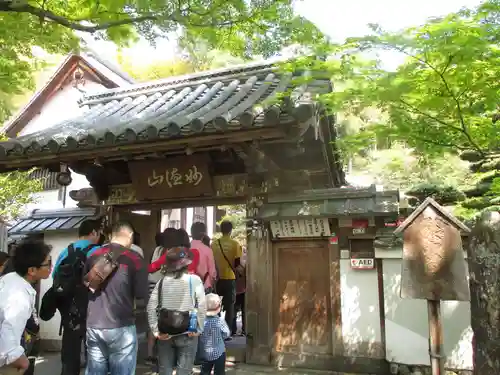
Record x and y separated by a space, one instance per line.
363 263
358 230
301 228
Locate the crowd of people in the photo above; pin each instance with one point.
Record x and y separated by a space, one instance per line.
100 282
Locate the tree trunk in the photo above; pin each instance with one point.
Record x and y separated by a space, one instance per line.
484 269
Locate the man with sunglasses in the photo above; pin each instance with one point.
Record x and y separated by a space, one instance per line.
31 262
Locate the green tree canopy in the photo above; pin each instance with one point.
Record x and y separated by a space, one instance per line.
441 99
194 56
16 192
399 167
243 27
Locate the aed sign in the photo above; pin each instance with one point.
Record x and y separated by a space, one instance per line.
362 263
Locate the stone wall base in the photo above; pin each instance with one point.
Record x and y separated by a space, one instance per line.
422 370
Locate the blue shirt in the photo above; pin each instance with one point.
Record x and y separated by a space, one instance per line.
212 338
80 244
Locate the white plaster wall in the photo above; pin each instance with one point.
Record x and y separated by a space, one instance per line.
210 221
49 199
176 215
360 307
406 326
189 219
79 182
58 240
44 200
61 106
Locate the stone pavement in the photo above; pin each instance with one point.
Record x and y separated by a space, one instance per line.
50 364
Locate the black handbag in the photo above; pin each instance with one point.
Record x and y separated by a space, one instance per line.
174 322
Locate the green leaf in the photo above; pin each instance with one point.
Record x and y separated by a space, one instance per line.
244 28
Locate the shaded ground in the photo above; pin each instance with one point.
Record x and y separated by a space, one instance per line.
50 365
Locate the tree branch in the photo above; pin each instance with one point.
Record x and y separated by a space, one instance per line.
463 125
7 6
437 143
44 14
439 121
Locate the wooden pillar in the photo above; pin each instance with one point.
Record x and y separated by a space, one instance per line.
335 295
183 217
259 297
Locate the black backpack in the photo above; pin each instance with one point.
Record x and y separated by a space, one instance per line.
69 275
69 295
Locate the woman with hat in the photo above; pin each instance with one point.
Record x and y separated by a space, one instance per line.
176 313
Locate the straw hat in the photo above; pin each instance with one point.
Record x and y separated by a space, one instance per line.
214 303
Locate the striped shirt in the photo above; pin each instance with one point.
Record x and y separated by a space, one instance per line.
157 276
212 338
176 295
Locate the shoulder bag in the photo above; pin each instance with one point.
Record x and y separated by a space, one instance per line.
236 273
102 270
174 322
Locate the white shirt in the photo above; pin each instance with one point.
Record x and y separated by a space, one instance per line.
137 249
156 276
17 301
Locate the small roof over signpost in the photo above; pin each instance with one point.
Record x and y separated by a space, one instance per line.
433 257
429 202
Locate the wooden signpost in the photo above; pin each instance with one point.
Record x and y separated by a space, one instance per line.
433 267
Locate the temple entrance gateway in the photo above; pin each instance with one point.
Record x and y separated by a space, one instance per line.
218 138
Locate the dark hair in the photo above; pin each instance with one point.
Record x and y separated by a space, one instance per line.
122 226
177 274
168 238
88 226
3 258
182 238
102 239
137 239
158 239
198 230
29 253
206 240
226 227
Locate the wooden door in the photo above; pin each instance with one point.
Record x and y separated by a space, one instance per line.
301 298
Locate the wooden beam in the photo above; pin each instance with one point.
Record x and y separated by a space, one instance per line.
161 145
255 159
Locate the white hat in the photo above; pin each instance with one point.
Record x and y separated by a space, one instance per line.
214 302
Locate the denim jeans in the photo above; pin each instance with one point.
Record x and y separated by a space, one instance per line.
177 352
111 350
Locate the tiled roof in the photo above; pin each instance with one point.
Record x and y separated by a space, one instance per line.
51 220
217 101
336 202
